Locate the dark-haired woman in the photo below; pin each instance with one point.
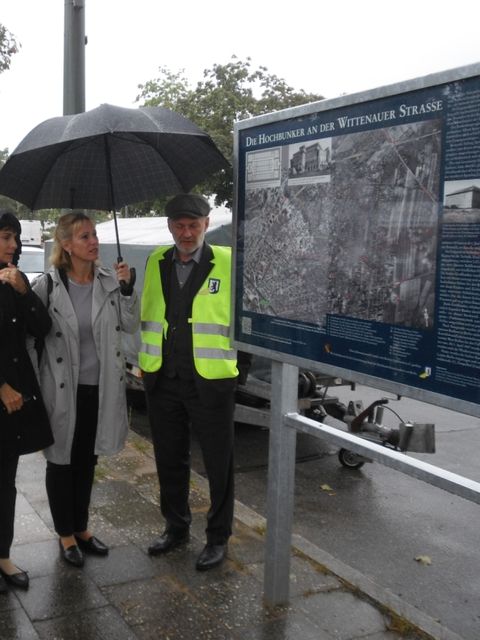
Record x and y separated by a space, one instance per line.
24 424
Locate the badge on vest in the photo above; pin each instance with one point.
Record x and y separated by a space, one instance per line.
213 285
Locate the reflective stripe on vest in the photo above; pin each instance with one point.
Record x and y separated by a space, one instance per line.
216 354
151 349
156 327
214 329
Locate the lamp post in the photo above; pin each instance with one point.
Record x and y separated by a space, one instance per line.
74 57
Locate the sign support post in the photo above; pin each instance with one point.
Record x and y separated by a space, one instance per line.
281 483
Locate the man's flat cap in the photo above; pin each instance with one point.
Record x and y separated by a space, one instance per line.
187 204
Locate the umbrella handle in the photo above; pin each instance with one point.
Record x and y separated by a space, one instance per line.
127 288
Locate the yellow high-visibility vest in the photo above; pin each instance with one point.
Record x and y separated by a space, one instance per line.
213 355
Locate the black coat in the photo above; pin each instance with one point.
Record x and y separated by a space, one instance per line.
20 315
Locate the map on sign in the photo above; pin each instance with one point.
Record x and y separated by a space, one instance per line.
357 222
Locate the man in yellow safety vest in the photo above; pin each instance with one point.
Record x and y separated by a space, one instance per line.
190 374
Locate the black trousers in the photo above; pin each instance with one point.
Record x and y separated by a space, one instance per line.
174 407
69 486
8 494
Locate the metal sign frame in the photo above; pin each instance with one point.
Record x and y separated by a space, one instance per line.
405 148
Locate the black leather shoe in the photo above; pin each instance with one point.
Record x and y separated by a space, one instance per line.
3 585
72 555
211 556
168 540
19 579
92 545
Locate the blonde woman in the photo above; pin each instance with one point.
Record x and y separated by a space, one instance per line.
82 375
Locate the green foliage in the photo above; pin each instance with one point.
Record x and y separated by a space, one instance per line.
228 93
8 48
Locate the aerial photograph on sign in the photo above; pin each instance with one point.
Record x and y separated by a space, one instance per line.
355 216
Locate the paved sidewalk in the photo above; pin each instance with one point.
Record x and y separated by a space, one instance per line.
130 595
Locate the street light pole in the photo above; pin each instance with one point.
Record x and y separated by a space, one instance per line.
74 58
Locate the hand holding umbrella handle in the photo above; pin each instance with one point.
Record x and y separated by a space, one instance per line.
126 288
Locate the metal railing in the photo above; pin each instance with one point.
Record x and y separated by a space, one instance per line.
285 421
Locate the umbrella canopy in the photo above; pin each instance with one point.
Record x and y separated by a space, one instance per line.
109 157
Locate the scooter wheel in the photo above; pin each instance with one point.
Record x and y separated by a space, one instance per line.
350 460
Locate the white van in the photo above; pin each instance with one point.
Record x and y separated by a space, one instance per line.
32 261
31 232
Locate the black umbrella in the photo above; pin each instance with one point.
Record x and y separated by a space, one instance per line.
109 157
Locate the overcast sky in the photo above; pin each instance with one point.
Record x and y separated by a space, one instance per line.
328 48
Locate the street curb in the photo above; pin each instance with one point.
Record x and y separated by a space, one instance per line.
352 578
381 595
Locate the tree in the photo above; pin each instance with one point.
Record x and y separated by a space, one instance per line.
8 47
228 92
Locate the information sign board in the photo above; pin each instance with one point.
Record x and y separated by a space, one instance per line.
357 249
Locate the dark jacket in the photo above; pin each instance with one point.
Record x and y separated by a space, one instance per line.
19 315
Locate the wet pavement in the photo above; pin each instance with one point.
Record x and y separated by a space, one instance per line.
129 595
